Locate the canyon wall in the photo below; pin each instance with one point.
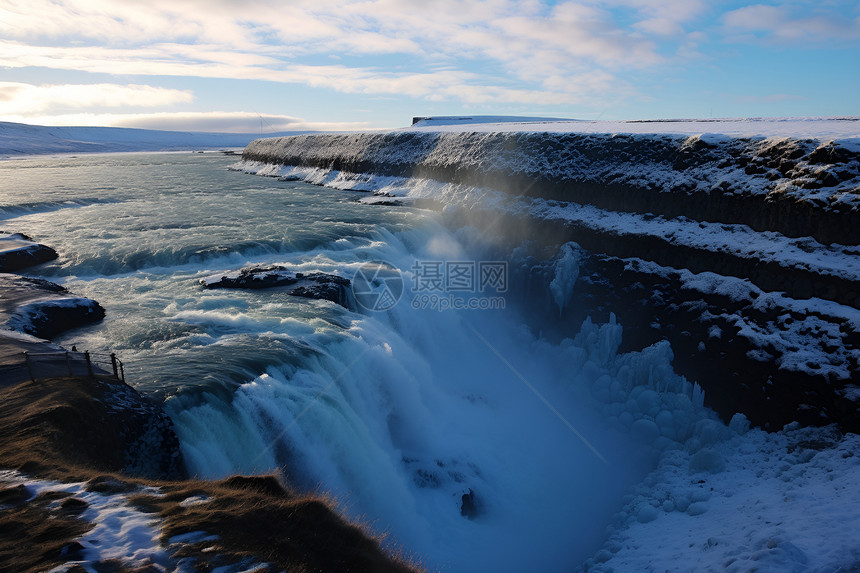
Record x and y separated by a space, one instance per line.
743 253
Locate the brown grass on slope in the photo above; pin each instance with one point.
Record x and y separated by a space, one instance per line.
56 429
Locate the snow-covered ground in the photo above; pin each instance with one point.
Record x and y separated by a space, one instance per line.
822 128
782 502
813 162
20 139
119 531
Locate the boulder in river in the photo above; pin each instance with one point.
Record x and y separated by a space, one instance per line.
309 285
41 308
18 251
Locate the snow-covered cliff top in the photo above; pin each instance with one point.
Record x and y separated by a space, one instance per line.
821 128
803 185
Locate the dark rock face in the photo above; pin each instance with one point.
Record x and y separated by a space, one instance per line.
18 251
756 353
308 285
150 447
36 306
468 505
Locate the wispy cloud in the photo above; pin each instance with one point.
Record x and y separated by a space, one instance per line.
26 99
783 23
215 121
233 122
512 41
199 61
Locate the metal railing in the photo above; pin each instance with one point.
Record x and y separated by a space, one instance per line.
73 363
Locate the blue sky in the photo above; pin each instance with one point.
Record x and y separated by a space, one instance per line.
229 65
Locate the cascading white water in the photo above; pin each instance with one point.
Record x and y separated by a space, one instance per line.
474 442
402 413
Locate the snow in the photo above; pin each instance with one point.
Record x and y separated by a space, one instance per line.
721 498
712 130
800 332
192 537
464 120
739 240
779 502
22 139
120 531
745 159
757 511
16 242
25 314
260 275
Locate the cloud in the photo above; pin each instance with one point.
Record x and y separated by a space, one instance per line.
28 99
229 122
782 24
216 121
532 52
448 50
434 85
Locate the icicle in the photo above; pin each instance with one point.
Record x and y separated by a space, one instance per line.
697 396
566 273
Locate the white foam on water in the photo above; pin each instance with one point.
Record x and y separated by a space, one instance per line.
403 413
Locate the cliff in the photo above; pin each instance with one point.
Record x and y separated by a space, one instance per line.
741 251
797 187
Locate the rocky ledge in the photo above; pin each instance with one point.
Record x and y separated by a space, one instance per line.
87 422
773 358
43 309
314 285
18 251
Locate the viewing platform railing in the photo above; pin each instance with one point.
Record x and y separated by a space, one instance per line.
42 365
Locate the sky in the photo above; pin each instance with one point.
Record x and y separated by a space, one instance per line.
268 65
